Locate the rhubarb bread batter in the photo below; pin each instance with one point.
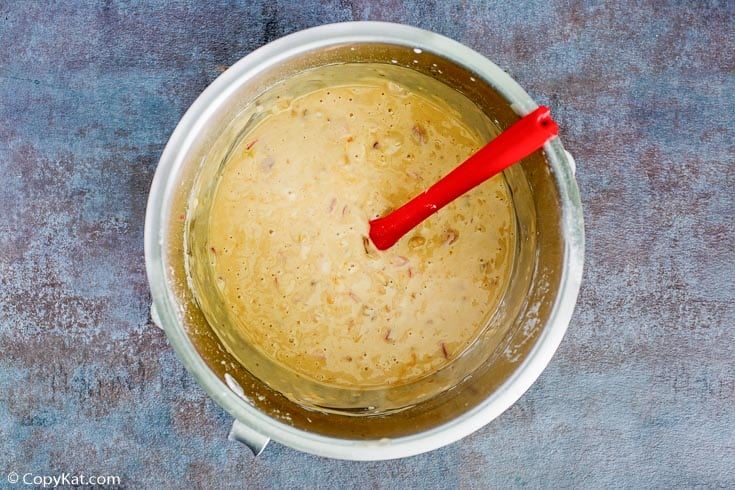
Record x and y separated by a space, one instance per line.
287 237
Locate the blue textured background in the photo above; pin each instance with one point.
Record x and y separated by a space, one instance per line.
642 390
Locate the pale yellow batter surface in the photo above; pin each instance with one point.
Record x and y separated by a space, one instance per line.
287 238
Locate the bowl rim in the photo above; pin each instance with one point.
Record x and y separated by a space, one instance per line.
164 301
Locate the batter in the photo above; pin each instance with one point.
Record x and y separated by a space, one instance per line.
287 237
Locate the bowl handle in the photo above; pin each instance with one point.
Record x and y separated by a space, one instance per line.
254 440
572 163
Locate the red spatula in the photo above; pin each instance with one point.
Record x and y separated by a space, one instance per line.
514 144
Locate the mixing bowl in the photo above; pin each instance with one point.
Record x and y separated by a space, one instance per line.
505 360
